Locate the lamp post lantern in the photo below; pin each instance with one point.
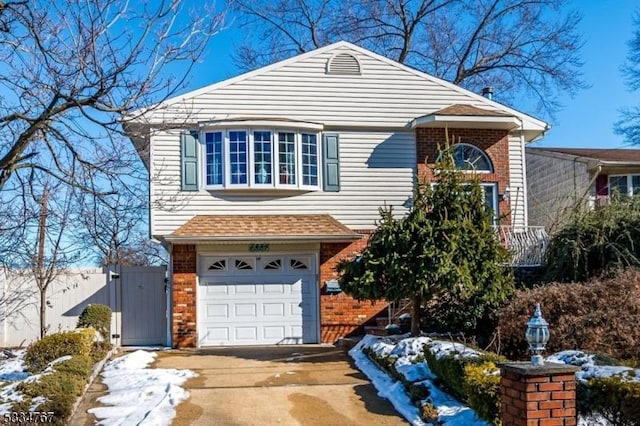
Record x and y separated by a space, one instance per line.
537 336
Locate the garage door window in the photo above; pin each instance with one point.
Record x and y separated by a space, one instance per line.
274 265
218 265
245 264
298 264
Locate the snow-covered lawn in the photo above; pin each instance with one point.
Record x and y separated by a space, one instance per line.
137 394
409 355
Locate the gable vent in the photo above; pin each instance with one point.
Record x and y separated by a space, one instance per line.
343 63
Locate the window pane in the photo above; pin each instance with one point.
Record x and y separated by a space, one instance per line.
213 142
287 158
618 185
262 157
238 157
635 185
469 157
491 200
309 160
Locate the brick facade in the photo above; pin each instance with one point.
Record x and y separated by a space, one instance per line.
494 142
341 315
183 296
538 396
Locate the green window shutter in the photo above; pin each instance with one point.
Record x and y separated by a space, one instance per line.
189 160
331 157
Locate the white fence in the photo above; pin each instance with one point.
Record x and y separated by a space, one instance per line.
66 298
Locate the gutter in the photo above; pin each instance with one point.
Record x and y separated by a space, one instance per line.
253 238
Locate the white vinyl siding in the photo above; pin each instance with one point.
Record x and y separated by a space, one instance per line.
376 169
517 190
384 95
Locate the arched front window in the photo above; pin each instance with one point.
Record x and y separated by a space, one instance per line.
470 157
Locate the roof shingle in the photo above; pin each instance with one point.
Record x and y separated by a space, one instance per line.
239 227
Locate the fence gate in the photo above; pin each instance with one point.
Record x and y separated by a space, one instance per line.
144 305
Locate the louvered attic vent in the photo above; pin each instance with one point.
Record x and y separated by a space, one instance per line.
343 63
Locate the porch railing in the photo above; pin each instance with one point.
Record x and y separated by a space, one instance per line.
527 244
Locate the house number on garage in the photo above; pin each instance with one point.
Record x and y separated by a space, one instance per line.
262 247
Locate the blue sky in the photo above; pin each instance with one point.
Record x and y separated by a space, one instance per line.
586 120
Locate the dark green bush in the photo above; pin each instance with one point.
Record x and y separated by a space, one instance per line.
595 242
54 346
471 380
601 315
616 400
97 316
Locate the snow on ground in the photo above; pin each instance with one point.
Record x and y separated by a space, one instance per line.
408 353
590 370
450 411
140 395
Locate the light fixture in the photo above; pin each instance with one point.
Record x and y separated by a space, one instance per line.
537 336
506 194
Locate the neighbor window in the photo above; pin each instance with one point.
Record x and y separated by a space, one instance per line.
261 159
626 185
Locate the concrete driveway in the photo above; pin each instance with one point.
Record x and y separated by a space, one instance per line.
286 385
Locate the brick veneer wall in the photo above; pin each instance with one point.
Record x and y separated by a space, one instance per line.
494 142
341 315
538 396
183 294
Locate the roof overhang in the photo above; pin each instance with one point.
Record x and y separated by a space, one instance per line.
466 121
262 228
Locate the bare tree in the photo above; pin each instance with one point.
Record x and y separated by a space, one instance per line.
525 49
45 252
72 69
113 227
629 124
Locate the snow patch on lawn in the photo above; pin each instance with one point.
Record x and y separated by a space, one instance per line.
589 369
139 395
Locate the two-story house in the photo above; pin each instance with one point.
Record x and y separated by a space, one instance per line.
259 185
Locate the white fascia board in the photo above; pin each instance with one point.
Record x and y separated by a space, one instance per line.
311 238
508 123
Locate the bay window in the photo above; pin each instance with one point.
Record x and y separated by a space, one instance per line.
261 159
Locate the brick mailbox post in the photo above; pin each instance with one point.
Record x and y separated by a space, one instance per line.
542 395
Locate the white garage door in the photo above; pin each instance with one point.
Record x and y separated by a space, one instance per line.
251 300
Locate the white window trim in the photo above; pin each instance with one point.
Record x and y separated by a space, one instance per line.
275 160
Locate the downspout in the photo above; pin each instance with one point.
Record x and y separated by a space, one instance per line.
591 182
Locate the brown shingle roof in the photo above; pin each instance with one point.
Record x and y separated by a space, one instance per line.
248 227
468 110
602 154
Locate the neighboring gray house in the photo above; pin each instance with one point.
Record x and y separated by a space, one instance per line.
561 179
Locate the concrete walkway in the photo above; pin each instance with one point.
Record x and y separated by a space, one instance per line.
285 385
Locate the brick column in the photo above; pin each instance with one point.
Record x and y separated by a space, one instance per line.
183 314
538 395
